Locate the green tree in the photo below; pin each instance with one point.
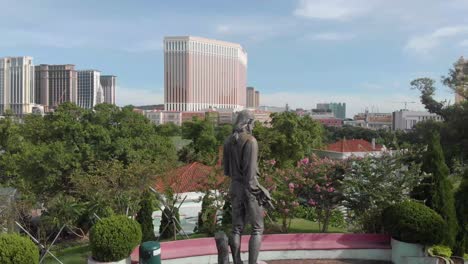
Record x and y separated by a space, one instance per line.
436 189
144 216
461 205
289 138
204 145
207 222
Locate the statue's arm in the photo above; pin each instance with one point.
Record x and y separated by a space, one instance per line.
250 164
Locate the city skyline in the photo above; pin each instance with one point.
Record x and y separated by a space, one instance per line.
300 52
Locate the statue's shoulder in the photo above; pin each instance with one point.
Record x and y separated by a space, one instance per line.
250 138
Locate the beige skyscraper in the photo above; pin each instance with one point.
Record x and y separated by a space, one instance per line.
461 67
250 97
200 73
55 84
108 88
16 85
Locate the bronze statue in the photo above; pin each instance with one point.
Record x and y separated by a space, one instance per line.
248 197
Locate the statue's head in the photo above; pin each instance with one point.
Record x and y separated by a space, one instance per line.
245 121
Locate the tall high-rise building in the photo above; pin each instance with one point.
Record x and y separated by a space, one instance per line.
338 109
461 69
108 87
55 84
89 88
200 73
16 85
257 99
250 99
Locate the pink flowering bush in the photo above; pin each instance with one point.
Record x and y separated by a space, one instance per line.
283 186
320 182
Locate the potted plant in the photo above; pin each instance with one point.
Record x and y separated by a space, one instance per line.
113 239
413 226
16 249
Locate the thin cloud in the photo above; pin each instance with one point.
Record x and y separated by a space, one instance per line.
331 36
333 9
423 44
138 96
464 43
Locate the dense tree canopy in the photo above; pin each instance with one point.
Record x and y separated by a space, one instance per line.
289 138
97 158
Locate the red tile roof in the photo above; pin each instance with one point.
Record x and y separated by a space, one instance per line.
353 145
188 178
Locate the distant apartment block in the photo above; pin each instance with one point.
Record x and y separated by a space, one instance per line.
108 88
55 84
90 92
250 99
338 109
16 85
189 116
164 117
406 120
200 73
272 109
461 68
253 98
373 121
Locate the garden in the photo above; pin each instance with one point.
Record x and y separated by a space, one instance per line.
84 175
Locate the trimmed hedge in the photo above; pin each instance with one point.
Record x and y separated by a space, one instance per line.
413 222
114 238
16 249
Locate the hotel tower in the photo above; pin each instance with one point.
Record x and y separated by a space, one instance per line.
201 73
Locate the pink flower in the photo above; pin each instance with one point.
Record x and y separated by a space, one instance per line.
286 210
295 204
312 202
305 161
272 162
317 188
291 186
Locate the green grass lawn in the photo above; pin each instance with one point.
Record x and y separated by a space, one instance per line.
78 254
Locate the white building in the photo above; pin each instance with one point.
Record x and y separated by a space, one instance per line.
164 117
200 73
405 119
90 92
16 85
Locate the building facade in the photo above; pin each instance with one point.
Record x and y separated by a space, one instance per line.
108 83
55 84
406 120
373 120
257 99
250 97
200 73
338 109
89 88
16 85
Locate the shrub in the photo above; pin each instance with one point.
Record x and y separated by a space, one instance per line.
461 204
16 249
145 216
439 250
413 222
114 238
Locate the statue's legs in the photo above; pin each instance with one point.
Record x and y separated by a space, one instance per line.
255 213
238 221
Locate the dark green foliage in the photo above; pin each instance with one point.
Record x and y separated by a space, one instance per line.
289 139
413 222
207 216
144 216
16 249
436 190
168 225
204 146
227 213
114 238
461 205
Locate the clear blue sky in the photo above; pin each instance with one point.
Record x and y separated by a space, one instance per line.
363 52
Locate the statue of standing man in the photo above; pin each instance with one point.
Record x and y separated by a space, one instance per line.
248 197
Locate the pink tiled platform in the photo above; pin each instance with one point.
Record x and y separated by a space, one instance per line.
276 242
